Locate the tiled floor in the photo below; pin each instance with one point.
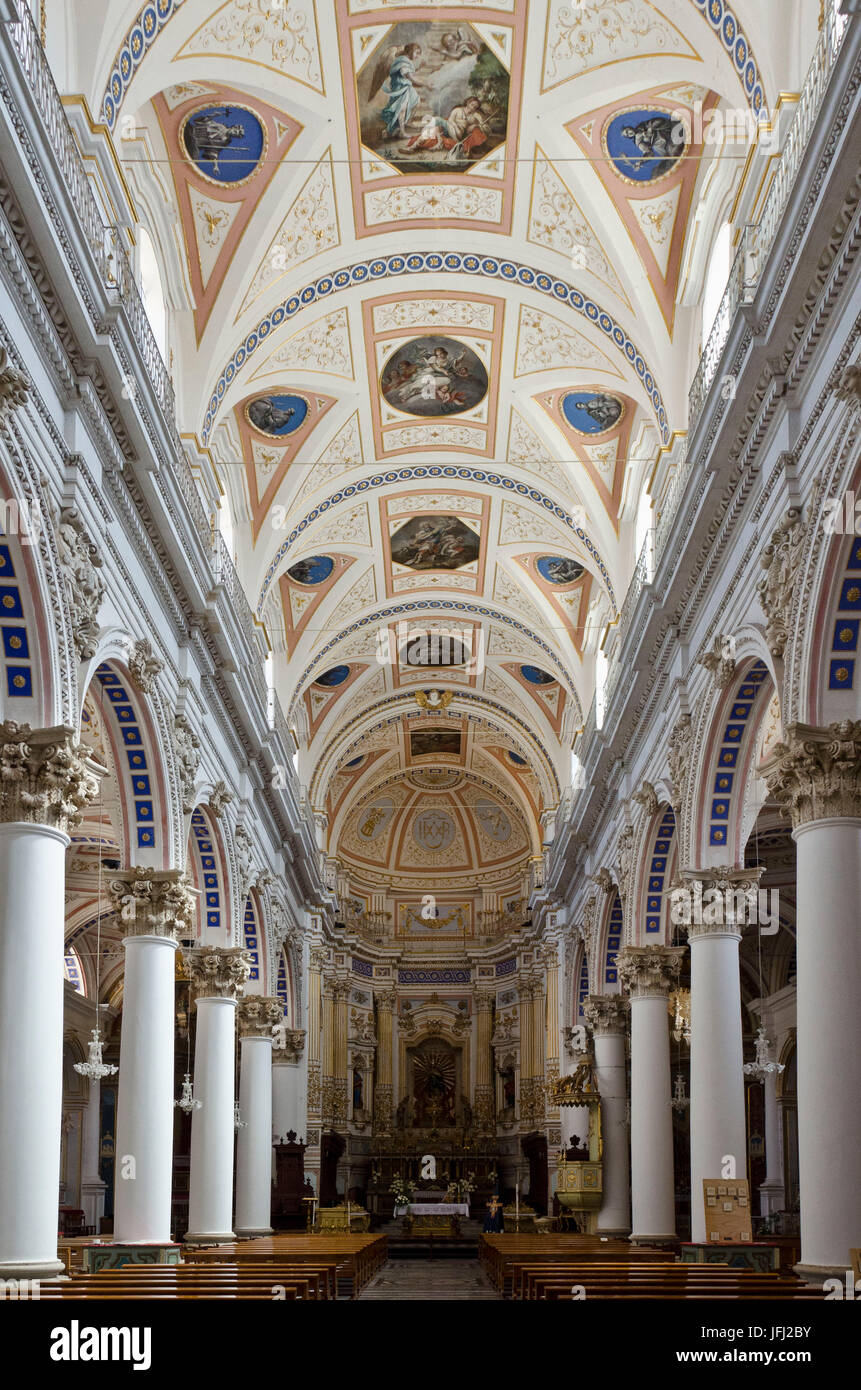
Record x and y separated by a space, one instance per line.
430 1280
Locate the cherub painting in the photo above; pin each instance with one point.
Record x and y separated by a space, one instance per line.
434 376
432 97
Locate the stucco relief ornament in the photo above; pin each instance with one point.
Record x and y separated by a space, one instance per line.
720 662
590 924
625 858
679 754
80 563
187 746
14 387
604 879
848 388
815 773
219 799
44 779
144 666
780 560
647 797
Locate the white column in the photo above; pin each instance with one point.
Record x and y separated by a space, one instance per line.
217 974
718 1129
772 1192
45 782
155 906
606 1017
816 774
92 1184
32 875
649 973
258 1016
287 1085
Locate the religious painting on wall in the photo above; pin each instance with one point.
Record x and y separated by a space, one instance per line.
434 376
276 415
433 97
434 742
592 412
224 143
558 569
434 1087
644 144
314 569
438 542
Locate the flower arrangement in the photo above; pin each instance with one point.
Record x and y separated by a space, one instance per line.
402 1191
460 1188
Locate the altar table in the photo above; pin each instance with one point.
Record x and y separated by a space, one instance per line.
434 1209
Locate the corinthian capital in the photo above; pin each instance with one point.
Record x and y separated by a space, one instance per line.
258 1015
816 773
154 902
217 972
386 1000
605 1013
649 972
289 1044
44 779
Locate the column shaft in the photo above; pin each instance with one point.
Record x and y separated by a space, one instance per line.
254 1143
32 874
652 1186
210 1197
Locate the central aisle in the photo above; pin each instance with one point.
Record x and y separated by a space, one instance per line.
430 1279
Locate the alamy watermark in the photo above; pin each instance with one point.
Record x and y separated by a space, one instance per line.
744 905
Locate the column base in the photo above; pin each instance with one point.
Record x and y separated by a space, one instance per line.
614 1232
654 1240
208 1238
32 1269
252 1232
817 1274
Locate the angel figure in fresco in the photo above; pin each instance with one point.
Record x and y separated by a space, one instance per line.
395 75
456 45
433 378
463 132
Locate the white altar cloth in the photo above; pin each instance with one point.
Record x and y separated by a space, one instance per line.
438 1208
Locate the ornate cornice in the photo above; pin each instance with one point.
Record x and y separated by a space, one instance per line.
649 972
218 972
606 1013
44 779
815 773
154 902
258 1014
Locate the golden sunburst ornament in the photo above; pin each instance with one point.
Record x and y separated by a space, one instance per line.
434 699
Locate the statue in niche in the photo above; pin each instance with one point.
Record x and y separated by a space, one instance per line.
434 1088
358 1089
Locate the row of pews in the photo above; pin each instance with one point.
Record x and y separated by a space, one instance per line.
287 1267
563 1267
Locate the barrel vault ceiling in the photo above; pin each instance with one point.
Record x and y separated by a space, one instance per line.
434 276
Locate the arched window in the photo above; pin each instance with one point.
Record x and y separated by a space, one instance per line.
717 276
152 290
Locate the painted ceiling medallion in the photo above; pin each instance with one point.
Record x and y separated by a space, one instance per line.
536 676
225 143
558 569
493 821
516 759
276 415
434 376
644 143
336 675
433 98
314 569
591 412
434 543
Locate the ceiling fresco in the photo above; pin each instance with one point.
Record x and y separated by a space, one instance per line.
433 275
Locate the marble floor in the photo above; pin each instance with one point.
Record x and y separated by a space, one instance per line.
438 1280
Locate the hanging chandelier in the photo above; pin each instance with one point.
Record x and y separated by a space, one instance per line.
94 1068
187 1102
680 1101
763 1066
680 1008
